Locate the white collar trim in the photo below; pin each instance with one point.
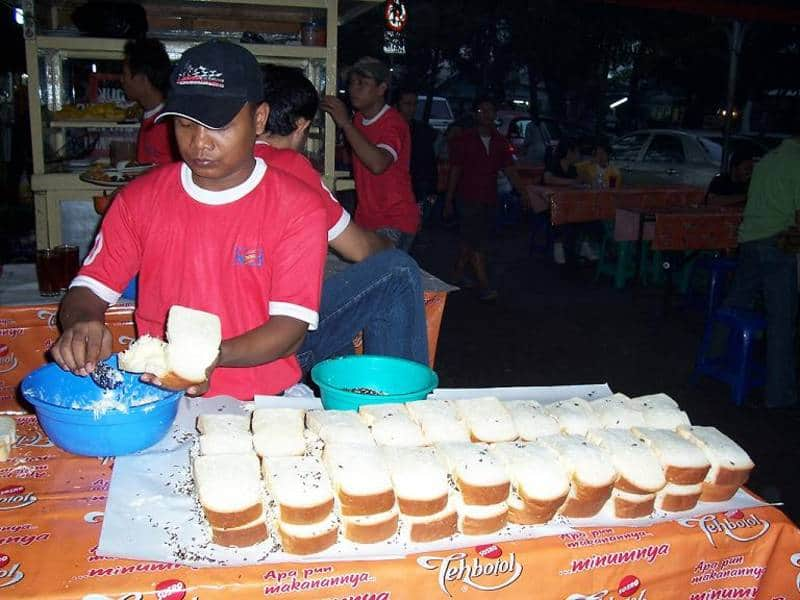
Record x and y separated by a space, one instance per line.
153 111
376 117
233 194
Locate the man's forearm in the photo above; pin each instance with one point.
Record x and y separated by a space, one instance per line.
279 337
81 304
376 159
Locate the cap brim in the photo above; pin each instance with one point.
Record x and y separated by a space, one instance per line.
211 113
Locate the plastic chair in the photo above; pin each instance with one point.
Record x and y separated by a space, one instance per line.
616 258
719 271
736 365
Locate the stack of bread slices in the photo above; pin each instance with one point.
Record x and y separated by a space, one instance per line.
430 469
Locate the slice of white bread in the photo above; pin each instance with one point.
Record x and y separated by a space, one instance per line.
438 420
624 505
338 427
530 419
638 468
391 425
540 483
193 336
419 478
665 418
245 535
677 498
683 462
308 539
487 419
218 443
223 424
659 400
730 464
614 412
476 519
592 474
479 475
372 528
433 527
279 431
301 488
229 488
360 479
8 436
575 415
278 419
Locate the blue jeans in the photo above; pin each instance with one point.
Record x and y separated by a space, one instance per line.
764 270
381 296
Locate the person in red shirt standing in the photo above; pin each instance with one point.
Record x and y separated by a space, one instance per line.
476 157
145 80
381 142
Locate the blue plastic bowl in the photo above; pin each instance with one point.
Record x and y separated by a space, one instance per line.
63 406
393 380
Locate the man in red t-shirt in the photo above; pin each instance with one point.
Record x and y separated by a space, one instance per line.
381 142
381 294
476 157
219 232
145 80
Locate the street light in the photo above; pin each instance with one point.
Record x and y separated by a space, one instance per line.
619 102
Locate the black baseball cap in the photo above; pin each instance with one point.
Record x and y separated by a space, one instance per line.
212 82
366 66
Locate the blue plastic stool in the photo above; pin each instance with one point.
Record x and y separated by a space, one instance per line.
719 271
736 366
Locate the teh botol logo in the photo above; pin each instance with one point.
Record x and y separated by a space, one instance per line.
8 360
735 525
455 567
15 496
9 574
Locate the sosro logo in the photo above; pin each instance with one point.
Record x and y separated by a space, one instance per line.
456 568
14 496
9 574
711 525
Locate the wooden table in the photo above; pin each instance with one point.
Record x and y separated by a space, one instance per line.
681 228
51 514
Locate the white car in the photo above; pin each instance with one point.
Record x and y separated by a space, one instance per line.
441 113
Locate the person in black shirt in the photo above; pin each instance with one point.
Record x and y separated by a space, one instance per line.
423 157
562 170
733 183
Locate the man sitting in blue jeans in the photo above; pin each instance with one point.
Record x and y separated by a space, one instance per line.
381 293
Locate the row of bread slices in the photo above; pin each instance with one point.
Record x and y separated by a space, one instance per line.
473 488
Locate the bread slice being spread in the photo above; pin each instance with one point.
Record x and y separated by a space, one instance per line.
419 478
193 341
730 464
391 425
300 487
438 420
339 427
683 462
360 479
638 468
530 419
487 419
575 415
229 488
479 475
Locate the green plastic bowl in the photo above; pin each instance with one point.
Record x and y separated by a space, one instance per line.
393 380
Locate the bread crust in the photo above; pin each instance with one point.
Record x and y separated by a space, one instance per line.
472 526
428 531
357 506
677 502
228 520
302 545
717 493
483 495
305 515
625 485
176 382
421 508
628 509
369 533
584 500
534 512
730 477
240 537
685 475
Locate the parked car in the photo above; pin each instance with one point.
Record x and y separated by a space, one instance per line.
666 157
441 113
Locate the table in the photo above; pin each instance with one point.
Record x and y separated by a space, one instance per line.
580 205
51 513
682 228
28 325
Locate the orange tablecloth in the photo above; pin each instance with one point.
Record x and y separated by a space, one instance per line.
685 228
28 332
578 205
51 513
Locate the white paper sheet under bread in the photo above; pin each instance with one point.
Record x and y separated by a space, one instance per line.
586 463
297 481
574 415
487 419
473 463
358 470
535 471
228 483
268 443
723 453
279 419
339 427
418 473
223 443
438 420
391 425
223 424
614 412
531 420
635 462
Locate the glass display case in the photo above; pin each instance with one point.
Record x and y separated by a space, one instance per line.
78 109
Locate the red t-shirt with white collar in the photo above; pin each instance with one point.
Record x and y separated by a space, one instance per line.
386 200
296 164
246 254
156 141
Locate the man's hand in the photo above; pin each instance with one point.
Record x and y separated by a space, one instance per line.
196 389
336 109
81 346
